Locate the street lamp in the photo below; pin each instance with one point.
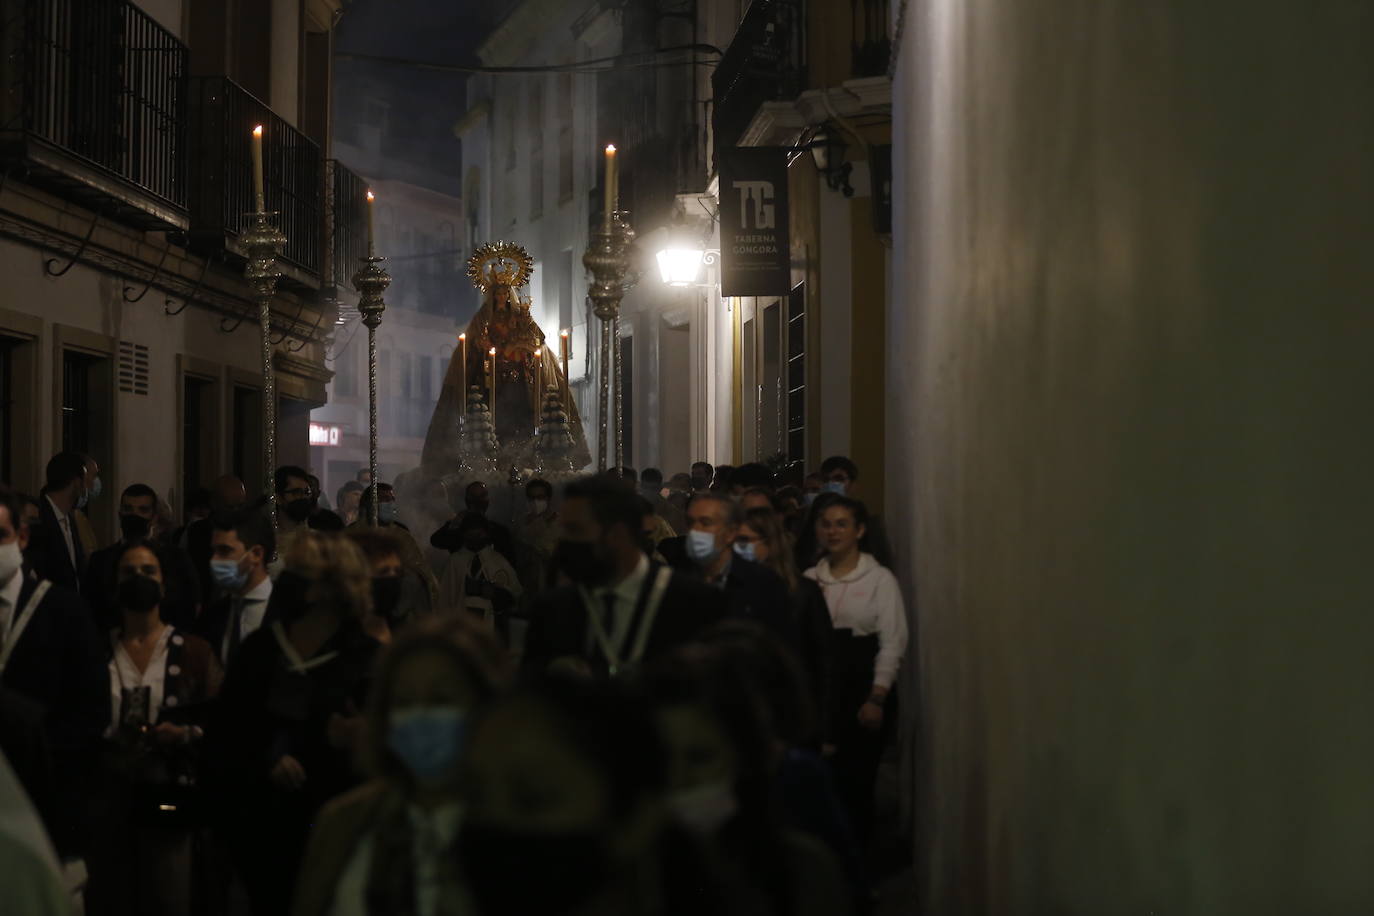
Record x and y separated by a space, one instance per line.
680 265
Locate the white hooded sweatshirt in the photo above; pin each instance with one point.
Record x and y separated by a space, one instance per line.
865 601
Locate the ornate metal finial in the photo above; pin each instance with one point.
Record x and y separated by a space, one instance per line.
500 264
371 282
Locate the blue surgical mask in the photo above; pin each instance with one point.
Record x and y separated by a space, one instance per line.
387 513
701 547
96 490
833 486
745 551
228 575
428 739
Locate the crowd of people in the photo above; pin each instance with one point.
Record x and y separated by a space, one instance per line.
646 694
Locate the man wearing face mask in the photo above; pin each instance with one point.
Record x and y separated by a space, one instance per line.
51 653
840 475
477 500
138 521
295 505
620 609
752 591
478 580
538 536
240 545
56 551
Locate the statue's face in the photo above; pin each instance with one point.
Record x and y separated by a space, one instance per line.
500 296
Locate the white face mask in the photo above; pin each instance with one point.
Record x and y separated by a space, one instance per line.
539 506
10 560
704 809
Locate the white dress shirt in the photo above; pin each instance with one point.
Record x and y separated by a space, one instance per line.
254 603
64 522
9 604
124 675
626 594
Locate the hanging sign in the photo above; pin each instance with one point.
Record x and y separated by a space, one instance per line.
755 252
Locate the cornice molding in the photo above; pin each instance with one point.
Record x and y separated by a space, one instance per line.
510 40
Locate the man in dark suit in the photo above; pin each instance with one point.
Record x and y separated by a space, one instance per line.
137 516
55 551
51 654
478 500
751 591
242 544
228 495
642 610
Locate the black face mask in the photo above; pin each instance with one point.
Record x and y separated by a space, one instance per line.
584 562
139 594
386 595
498 863
134 527
298 510
480 507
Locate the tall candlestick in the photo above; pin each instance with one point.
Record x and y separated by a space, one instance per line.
258 199
612 189
463 364
492 387
371 226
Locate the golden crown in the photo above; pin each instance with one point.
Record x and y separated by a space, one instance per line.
500 264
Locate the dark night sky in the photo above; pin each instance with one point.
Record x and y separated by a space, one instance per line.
423 105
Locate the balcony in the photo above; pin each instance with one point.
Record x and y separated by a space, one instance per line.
766 62
346 228
94 107
223 115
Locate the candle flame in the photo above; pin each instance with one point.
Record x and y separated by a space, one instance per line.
492 351
462 337
257 131
610 149
564 332
370 196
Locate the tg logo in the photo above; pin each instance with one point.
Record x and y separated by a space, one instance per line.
760 194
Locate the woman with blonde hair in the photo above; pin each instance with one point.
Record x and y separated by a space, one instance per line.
290 711
764 539
388 846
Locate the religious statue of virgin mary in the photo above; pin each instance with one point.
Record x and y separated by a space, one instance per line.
524 367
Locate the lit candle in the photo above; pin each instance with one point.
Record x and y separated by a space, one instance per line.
611 189
371 226
463 364
538 381
257 170
492 387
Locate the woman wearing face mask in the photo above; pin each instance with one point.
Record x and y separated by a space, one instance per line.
478 580
388 847
160 680
869 641
290 712
722 755
565 813
763 539
389 519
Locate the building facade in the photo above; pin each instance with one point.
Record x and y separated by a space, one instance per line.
127 330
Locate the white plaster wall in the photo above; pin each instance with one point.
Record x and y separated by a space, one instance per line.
286 58
1130 457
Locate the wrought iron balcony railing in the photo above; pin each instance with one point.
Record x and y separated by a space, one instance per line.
223 115
93 103
346 226
765 62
